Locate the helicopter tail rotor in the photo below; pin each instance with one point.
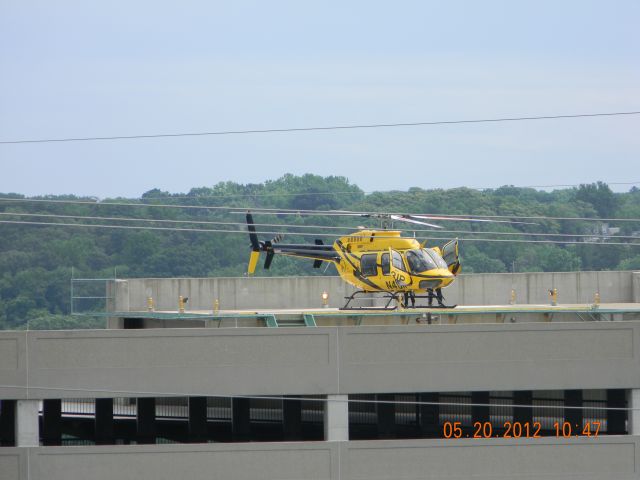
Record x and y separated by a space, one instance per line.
257 246
253 261
268 247
269 259
253 236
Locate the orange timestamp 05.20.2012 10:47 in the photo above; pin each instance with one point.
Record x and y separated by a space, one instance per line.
519 430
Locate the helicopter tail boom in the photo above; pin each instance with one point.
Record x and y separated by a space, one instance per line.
317 252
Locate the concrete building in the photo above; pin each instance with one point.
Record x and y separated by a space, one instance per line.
329 402
305 292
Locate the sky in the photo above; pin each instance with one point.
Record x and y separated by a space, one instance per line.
76 69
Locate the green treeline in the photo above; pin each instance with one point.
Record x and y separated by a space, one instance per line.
36 260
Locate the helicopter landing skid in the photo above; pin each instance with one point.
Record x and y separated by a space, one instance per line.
409 301
391 297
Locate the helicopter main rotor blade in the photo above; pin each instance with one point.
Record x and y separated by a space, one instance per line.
351 213
401 217
467 219
410 219
307 213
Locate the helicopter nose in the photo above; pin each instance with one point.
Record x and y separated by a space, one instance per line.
446 277
444 273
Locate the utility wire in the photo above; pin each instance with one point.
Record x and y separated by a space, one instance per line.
351 192
550 186
314 194
118 204
341 230
306 234
312 129
338 213
318 399
302 212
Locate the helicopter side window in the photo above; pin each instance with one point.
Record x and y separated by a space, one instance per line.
396 260
384 263
419 261
368 265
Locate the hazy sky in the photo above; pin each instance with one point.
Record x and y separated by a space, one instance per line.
73 69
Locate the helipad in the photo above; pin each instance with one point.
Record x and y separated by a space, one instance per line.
335 317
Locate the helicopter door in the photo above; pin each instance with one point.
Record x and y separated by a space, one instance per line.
385 263
451 257
398 271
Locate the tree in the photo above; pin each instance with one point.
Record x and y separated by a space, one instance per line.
600 196
475 261
632 263
35 263
556 259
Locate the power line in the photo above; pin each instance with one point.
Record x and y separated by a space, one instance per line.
159 220
351 192
137 393
302 212
305 234
117 204
339 213
312 129
557 242
552 186
270 194
317 194
346 229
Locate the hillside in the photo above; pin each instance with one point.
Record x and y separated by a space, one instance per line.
36 260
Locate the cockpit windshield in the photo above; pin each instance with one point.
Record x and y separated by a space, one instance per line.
436 258
423 260
419 261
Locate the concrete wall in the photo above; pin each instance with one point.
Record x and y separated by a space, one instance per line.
311 461
232 293
533 288
613 458
489 357
181 361
13 364
304 292
323 360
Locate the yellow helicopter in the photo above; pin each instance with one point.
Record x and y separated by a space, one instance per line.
401 268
